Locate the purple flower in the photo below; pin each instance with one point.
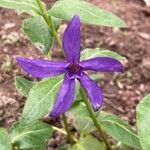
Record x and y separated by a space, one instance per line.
73 69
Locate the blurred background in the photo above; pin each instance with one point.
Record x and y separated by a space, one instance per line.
122 91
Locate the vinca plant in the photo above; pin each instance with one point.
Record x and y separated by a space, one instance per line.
66 89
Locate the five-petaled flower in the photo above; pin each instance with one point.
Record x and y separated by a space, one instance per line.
73 69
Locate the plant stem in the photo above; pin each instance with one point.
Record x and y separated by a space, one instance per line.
63 132
60 130
97 125
49 22
71 140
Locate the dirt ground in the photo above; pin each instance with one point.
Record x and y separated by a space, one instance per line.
122 92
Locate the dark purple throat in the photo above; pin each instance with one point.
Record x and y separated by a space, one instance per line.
74 68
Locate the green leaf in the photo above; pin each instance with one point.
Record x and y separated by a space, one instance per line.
27 6
97 52
33 136
119 129
39 33
83 122
113 125
143 122
88 142
23 85
5 143
66 9
40 99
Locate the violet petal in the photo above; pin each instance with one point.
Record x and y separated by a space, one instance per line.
93 91
71 40
103 64
41 68
65 97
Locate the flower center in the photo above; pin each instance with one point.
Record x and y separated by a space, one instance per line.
74 68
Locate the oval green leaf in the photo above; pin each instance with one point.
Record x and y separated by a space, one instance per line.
40 99
83 123
39 33
98 52
143 122
23 85
119 129
33 136
66 9
27 6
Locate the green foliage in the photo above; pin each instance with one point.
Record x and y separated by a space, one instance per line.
23 85
33 136
88 142
143 122
119 129
83 122
98 52
5 143
66 9
85 143
113 125
39 33
40 99
28 6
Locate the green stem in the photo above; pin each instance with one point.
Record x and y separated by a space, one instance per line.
97 125
71 140
49 22
63 132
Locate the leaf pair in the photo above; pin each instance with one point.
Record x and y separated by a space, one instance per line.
112 124
66 9
38 31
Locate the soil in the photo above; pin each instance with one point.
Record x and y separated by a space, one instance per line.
122 91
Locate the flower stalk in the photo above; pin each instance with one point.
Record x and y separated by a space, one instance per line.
93 117
70 138
49 22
